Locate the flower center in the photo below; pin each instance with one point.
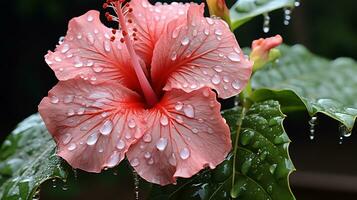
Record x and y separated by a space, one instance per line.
120 10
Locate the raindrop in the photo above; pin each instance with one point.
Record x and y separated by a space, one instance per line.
61 40
178 106
179 119
70 112
206 31
312 124
72 147
218 32
344 132
66 138
54 183
58 59
135 162
106 128
266 23
195 130
175 33
54 99
113 159
65 187
297 3
136 184
107 46
90 18
147 155
97 69
164 120
234 57
147 138
287 16
174 56
236 84
65 48
161 144
216 79
218 68
184 153
90 63
92 139
131 123
185 41
120 144
81 111
172 160
189 111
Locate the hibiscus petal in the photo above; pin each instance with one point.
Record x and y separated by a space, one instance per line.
93 126
201 52
187 134
151 21
87 51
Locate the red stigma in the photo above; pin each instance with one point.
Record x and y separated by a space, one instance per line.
105 5
114 31
124 33
122 40
130 21
112 38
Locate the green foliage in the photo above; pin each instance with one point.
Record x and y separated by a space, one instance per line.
262 168
27 159
244 10
302 80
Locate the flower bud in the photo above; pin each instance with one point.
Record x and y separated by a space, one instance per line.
263 51
219 8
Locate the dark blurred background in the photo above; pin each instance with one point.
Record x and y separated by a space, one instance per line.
326 170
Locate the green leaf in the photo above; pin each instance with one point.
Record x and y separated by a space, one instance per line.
27 159
244 10
302 80
262 166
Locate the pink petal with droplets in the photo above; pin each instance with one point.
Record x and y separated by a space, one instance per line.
187 133
200 52
93 126
88 52
151 21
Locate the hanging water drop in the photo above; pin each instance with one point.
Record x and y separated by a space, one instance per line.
287 16
312 124
297 3
54 183
136 184
266 23
344 132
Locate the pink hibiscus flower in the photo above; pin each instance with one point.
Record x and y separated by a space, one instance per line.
144 91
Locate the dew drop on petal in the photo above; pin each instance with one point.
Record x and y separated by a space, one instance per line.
68 99
179 119
135 162
175 33
184 153
90 18
113 159
173 56
218 68
234 57
161 144
185 41
147 138
58 59
70 112
151 161
189 111
72 147
164 120
226 79
195 130
120 144
107 46
218 32
206 31
172 160
236 84
206 93
209 21
66 138
97 69
81 111
65 48
178 106
147 155
92 139
90 63
54 99
106 128
131 123
216 79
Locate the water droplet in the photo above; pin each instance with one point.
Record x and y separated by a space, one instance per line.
234 57
90 38
79 36
206 31
236 84
151 161
61 40
113 159
184 153
179 119
65 48
106 128
189 111
218 68
206 93
195 130
120 144
81 111
66 138
78 63
164 120
147 138
218 32
147 155
178 106
68 99
297 3
90 18
185 41
136 184
72 147
216 79
175 33
312 124
174 56
209 21
54 99
58 59
70 112
344 132
266 23
107 46
172 160
287 16
194 33
92 139
135 162
97 69
90 63
161 144
131 123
